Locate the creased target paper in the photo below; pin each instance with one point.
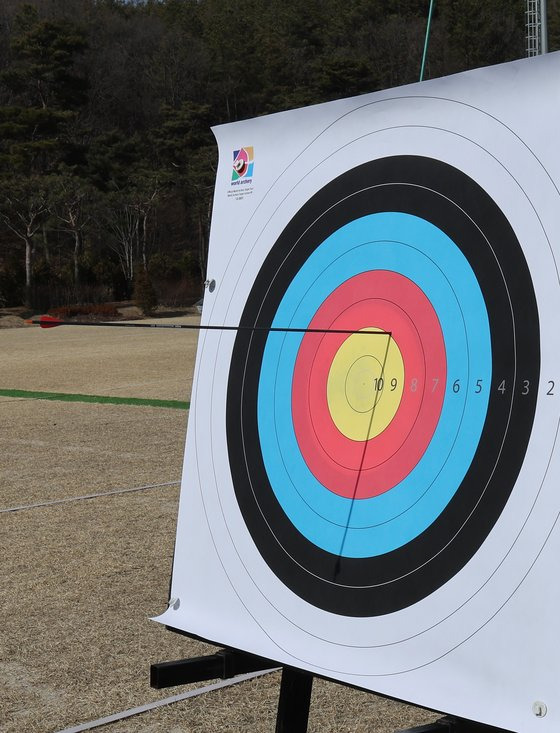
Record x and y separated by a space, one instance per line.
371 484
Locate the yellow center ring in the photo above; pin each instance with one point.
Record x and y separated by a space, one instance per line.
365 385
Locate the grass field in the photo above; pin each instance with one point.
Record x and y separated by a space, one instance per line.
82 576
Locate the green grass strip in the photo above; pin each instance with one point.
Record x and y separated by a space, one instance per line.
99 399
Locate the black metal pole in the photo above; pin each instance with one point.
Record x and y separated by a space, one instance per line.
294 701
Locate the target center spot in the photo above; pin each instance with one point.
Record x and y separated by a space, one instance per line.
362 381
365 384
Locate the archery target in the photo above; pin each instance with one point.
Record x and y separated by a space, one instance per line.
369 524
371 467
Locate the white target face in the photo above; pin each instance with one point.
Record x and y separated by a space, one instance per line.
369 486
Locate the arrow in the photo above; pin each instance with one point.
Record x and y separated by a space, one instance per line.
52 322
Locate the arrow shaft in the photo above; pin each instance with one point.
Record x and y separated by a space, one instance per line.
194 327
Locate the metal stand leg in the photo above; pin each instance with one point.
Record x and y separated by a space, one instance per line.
224 664
294 701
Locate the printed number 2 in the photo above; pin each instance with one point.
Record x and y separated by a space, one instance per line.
551 388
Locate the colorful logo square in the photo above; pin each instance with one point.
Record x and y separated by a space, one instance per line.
242 163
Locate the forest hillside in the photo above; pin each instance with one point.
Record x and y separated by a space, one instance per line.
107 161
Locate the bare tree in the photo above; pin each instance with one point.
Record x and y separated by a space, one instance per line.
24 205
123 223
71 205
127 216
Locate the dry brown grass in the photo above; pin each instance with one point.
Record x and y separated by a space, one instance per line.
80 579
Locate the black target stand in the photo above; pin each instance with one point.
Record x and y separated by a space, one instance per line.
295 689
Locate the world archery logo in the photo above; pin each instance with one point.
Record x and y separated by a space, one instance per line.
243 163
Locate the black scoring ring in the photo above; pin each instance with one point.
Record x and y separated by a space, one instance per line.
457 205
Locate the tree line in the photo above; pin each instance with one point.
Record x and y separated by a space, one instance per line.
107 161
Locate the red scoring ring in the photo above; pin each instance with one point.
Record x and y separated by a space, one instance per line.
391 302
407 339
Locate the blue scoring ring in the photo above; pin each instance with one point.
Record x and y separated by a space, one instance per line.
414 248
